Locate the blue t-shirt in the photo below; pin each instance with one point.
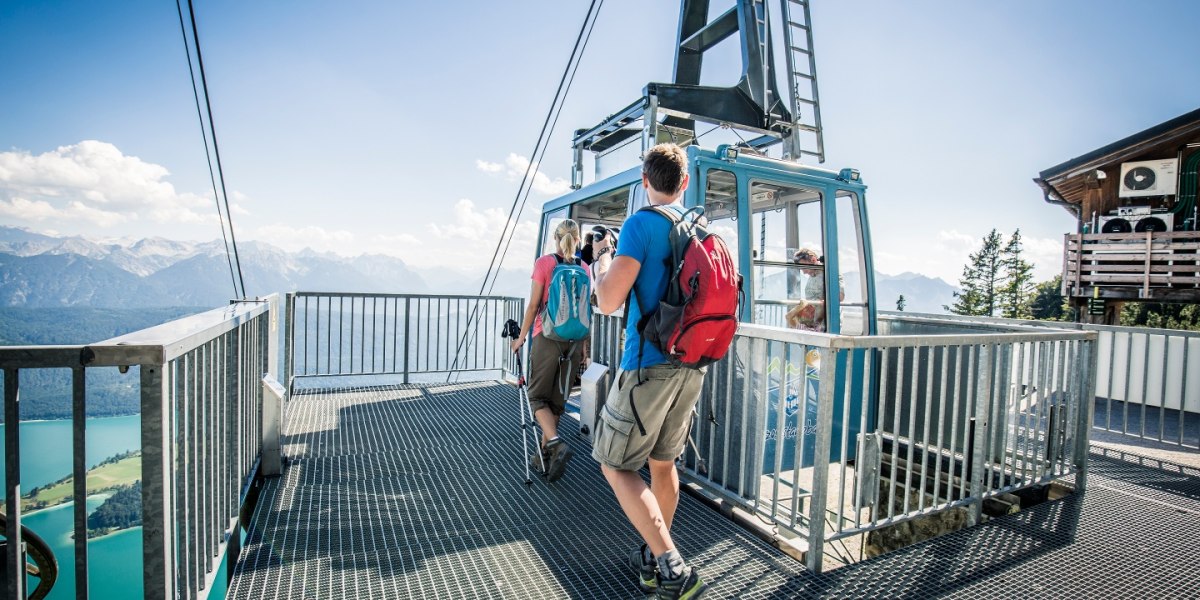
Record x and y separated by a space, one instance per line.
644 238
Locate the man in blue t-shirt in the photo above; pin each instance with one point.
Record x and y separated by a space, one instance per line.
648 412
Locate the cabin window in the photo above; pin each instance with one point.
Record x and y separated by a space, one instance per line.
786 219
850 263
608 209
720 207
549 222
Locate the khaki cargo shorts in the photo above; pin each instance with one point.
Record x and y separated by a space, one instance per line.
547 373
664 401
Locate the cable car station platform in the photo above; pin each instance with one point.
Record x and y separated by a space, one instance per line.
417 491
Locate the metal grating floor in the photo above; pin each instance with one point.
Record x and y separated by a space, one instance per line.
417 492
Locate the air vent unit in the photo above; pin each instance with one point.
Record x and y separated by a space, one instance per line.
1148 178
1137 219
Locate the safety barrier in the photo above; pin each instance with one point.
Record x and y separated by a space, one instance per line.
1147 383
201 394
831 436
336 334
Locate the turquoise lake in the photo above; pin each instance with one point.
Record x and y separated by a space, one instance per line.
114 561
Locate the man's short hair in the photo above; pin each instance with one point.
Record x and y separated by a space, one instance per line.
664 167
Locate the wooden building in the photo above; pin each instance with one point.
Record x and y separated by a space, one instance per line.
1136 237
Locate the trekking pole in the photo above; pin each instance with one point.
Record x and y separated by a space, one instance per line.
512 331
523 399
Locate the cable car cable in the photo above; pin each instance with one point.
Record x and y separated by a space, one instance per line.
216 148
564 85
207 153
539 152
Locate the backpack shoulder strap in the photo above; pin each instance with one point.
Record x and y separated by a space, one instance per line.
557 258
663 212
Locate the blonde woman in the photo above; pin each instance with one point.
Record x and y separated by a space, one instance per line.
551 361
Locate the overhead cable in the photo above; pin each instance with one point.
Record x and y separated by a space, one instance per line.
531 169
216 150
207 153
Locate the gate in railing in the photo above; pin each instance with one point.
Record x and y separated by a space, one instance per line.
334 334
201 431
832 436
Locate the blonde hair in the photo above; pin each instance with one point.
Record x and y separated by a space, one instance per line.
566 236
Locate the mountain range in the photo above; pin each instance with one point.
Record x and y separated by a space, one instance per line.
43 271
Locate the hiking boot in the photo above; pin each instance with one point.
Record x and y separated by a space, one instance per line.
558 454
647 572
538 460
688 586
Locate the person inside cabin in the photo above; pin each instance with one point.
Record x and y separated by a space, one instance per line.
551 362
809 312
654 430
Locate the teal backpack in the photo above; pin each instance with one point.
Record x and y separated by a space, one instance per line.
567 314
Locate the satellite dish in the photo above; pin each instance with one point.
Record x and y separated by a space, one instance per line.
1139 178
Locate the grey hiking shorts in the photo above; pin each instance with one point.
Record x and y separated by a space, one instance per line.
664 400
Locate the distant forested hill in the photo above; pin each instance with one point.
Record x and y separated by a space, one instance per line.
46 393
79 324
75 291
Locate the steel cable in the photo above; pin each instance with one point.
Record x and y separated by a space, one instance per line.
526 184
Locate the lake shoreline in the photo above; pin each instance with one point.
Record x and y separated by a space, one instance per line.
121 416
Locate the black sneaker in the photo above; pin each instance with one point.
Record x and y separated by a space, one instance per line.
688 586
558 455
647 572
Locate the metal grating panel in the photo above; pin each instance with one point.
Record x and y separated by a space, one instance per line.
417 492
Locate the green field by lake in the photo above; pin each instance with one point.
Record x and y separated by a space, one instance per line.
115 561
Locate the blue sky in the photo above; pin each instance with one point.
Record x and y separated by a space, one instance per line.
401 127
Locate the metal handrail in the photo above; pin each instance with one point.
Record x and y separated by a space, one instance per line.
797 426
331 334
201 433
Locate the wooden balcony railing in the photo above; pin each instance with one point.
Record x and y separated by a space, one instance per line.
1149 266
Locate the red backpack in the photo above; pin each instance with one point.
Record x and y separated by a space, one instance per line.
695 322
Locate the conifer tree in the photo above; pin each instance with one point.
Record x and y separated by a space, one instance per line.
1047 303
900 303
1016 285
980 280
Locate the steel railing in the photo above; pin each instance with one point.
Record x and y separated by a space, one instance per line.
1148 386
334 334
831 436
201 426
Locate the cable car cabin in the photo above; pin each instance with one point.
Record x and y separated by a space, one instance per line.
767 210
797 233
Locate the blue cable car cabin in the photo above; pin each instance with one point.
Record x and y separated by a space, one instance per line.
773 213
767 209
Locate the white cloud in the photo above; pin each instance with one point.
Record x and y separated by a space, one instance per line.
25 210
514 168
473 235
488 167
82 212
94 183
1046 254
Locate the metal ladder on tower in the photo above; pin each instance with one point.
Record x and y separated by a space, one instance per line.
805 103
